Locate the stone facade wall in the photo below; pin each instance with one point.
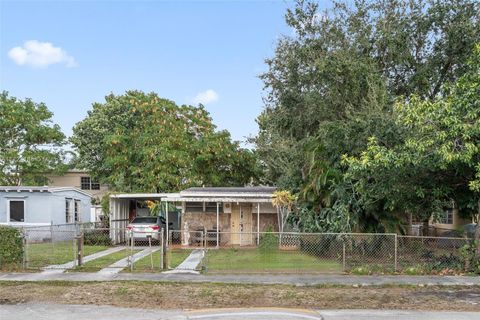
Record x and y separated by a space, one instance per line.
202 220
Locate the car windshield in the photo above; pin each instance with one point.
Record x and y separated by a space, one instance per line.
145 220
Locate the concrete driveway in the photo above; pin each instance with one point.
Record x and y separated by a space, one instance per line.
83 312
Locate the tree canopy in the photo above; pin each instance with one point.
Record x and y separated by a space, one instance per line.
30 143
141 142
438 160
332 86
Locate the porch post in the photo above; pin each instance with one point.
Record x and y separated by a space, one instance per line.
218 218
258 223
166 220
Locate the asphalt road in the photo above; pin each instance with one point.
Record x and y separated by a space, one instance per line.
82 312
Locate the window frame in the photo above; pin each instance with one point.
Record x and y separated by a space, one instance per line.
24 209
90 185
68 210
447 216
76 210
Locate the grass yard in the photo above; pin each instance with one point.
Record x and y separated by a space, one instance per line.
176 256
255 260
44 254
103 262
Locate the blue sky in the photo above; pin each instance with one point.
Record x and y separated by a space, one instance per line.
177 49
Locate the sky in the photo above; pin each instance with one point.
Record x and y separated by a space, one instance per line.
69 54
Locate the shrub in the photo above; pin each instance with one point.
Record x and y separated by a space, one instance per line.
363 270
414 270
470 258
269 241
97 238
11 246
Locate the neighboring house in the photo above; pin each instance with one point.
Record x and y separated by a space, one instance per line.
230 215
82 180
30 206
449 221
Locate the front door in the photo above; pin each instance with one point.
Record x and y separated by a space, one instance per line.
241 224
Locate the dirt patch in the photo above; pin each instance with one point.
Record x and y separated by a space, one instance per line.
193 296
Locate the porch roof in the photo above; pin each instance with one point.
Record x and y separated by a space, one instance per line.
223 194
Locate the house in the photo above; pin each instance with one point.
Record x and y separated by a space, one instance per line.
82 180
228 215
37 206
449 221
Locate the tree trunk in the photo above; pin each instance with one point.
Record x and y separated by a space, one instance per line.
425 227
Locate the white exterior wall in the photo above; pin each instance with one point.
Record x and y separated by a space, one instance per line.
44 207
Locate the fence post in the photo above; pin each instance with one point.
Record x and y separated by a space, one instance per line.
25 249
396 252
132 244
343 256
79 249
162 235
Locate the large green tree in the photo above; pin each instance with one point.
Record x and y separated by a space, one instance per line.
332 86
439 160
30 143
141 142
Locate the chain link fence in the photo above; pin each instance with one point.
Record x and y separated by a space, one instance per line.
77 248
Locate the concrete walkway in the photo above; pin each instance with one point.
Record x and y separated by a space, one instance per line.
289 279
190 264
83 312
123 263
60 268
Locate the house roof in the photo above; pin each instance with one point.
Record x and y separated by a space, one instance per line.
40 189
224 194
229 190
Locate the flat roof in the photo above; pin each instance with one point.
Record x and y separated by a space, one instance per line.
138 195
260 194
40 189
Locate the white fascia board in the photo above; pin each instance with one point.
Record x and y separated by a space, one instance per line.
217 199
138 195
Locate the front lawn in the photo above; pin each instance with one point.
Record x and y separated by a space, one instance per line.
103 262
44 254
257 260
174 258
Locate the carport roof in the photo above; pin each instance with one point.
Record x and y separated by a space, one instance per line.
208 194
139 195
223 194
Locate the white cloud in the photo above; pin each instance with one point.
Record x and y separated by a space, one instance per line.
206 97
40 55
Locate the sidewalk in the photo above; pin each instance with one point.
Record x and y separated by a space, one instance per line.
289 279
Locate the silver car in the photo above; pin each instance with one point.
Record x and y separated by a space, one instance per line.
145 228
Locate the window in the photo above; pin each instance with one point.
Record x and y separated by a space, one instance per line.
203 207
76 210
447 217
17 210
68 211
87 184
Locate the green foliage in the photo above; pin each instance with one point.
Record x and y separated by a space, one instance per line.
437 162
268 241
97 238
331 87
11 246
30 144
140 142
470 257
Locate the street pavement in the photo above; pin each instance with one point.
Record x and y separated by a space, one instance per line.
85 312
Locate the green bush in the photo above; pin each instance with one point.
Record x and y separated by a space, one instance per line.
97 238
269 241
11 246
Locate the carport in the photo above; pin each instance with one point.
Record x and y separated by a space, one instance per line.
123 208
